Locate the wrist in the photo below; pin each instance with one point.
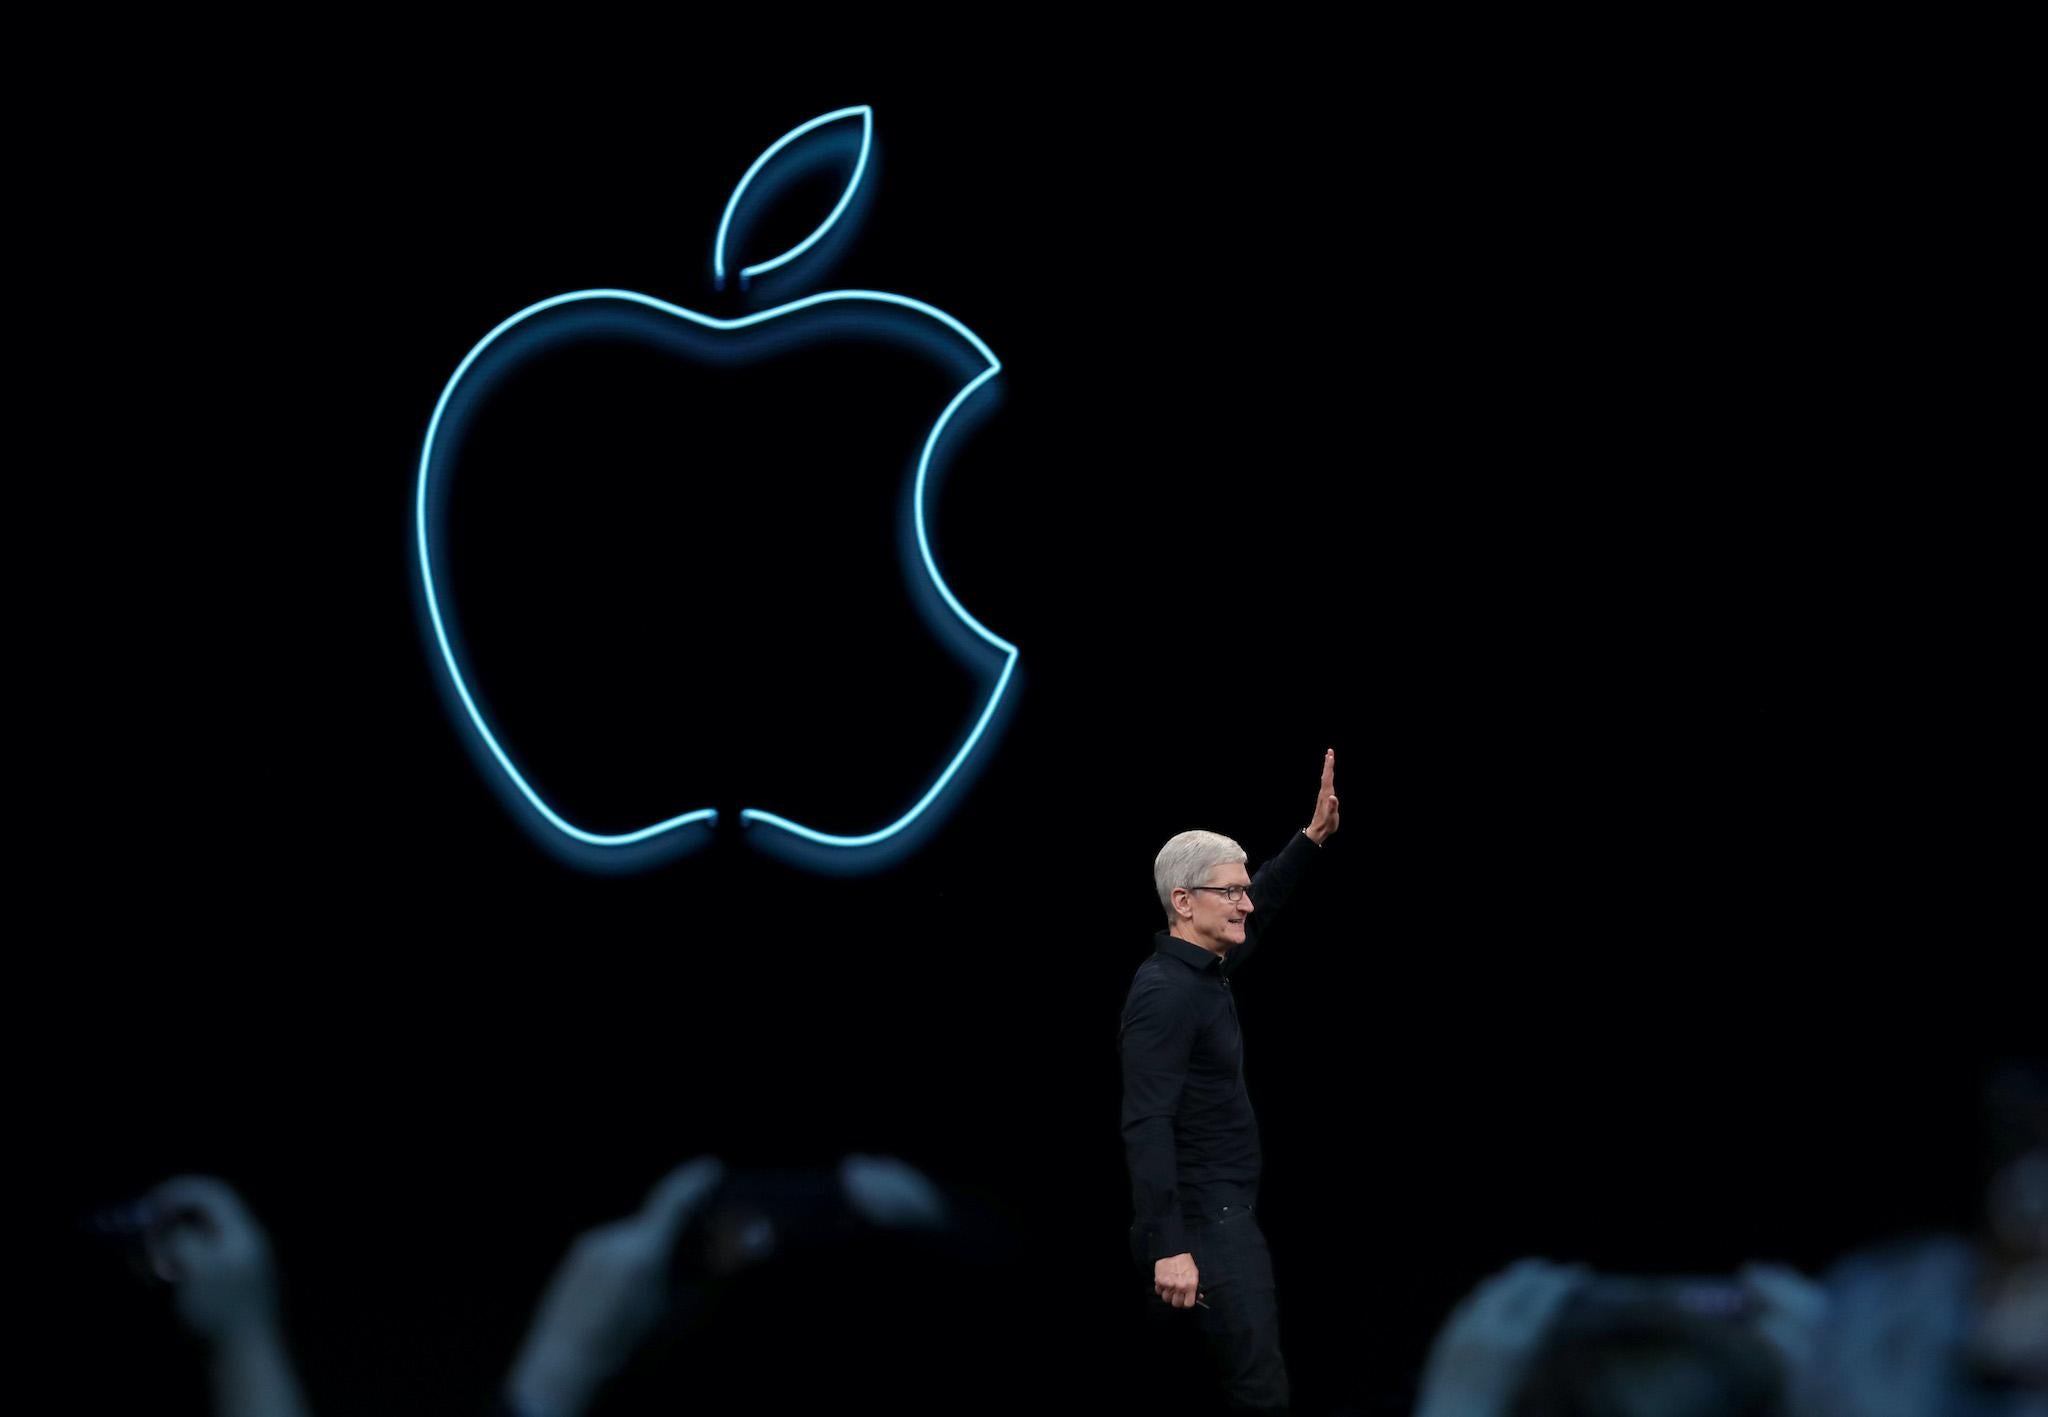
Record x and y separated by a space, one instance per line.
511 1404
256 1333
537 1388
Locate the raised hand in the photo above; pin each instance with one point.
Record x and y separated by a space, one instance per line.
204 1242
1325 820
606 1298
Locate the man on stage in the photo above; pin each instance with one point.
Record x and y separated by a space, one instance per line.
1189 1134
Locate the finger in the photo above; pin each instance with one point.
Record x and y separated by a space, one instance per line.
677 1195
1329 769
889 1191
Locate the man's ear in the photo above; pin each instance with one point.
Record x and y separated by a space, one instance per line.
1183 902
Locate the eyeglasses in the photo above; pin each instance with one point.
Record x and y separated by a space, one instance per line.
1233 894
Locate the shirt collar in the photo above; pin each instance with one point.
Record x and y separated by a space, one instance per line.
1192 955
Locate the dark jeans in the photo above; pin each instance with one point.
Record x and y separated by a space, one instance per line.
1240 1327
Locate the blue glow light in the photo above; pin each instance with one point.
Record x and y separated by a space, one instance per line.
928 562
860 166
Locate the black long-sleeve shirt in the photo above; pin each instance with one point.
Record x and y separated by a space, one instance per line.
1190 1138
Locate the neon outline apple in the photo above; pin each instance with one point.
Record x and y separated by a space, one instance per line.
708 816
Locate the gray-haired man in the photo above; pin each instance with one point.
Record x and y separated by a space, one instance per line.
1189 1134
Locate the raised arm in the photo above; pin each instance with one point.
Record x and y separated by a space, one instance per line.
605 1299
209 1245
1274 884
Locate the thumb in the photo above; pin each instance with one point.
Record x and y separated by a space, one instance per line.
677 1195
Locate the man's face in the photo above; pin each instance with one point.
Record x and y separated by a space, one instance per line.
1218 922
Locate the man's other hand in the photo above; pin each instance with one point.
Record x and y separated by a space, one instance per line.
1175 1280
1325 821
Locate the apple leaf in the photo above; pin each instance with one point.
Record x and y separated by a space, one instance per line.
866 115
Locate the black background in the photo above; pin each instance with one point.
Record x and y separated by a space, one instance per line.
1528 453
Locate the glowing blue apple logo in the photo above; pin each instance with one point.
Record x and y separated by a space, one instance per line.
625 848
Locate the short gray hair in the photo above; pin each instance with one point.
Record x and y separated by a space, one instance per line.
1186 861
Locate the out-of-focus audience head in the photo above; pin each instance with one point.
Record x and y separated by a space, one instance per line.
1545 1340
1933 1326
1645 1348
2016 1133
1947 1325
2012 1338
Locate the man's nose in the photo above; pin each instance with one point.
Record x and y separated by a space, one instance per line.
1244 902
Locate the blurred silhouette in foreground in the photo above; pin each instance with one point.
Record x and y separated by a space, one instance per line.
1544 1340
195 1234
1947 1325
1940 1326
761 1288
606 1299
